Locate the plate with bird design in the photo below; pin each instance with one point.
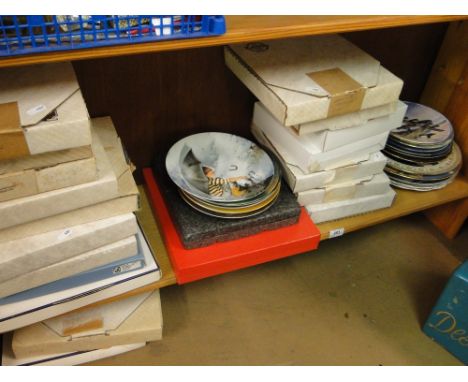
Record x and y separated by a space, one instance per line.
220 167
423 126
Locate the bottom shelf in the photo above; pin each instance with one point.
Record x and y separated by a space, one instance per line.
406 202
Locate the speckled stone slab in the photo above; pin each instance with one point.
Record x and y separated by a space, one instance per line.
198 230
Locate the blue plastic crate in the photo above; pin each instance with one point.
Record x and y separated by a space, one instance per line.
38 34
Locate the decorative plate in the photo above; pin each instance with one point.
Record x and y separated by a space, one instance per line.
450 163
220 167
423 126
224 215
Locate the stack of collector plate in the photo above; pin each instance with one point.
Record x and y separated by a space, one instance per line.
422 154
223 175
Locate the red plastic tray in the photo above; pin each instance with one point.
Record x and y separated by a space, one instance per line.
195 264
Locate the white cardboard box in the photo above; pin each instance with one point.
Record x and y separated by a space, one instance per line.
320 213
374 185
312 78
62 359
34 162
357 118
74 292
95 258
319 151
52 112
357 168
134 319
126 201
40 179
326 140
327 160
25 255
30 208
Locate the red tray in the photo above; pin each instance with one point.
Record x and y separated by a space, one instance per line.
195 264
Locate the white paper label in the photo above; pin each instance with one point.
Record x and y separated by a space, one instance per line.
127 267
335 233
65 234
36 109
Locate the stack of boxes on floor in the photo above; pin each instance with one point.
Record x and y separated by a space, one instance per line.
68 234
325 111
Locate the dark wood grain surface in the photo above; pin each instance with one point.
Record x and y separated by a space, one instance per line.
157 98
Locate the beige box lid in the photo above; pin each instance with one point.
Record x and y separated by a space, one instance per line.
83 262
359 188
38 89
284 64
62 359
134 319
34 252
323 212
126 200
34 207
312 78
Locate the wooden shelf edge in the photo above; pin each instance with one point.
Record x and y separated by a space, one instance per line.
406 202
239 29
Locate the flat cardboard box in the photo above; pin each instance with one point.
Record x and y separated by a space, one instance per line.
374 185
327 160
131 320
74 292
126 201
345 121
324 212
357 168
62 359
25 255
312 78
36 162
15 185
52 114
313 144
81 263
30 208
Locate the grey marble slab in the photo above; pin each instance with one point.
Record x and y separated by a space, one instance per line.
198 230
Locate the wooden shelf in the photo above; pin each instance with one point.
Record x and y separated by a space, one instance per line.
241 29
148 223
406 202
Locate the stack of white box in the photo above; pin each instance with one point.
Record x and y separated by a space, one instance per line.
325 111
67 197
